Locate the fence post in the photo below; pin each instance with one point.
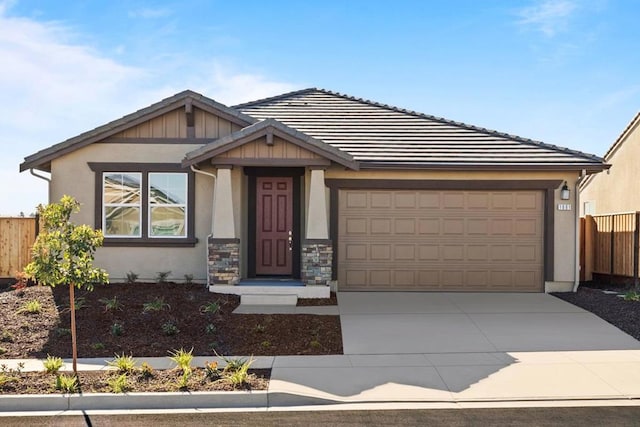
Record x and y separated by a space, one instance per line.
612 245
636 249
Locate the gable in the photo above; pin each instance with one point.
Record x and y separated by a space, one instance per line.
174 124
273 142
261 149
159 122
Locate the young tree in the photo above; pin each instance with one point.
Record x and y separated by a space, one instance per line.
63 253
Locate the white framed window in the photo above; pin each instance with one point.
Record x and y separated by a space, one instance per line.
167 204
122 204
145 204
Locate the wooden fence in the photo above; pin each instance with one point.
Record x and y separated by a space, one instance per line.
16 239
609 245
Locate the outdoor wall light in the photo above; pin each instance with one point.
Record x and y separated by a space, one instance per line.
565 193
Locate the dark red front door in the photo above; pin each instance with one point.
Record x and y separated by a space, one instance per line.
274 222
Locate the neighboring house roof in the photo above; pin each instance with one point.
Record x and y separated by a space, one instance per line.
382 135
262 128
42 159
358 132
616 144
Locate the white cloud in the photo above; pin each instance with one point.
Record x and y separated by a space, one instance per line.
52 87
150 13
549 16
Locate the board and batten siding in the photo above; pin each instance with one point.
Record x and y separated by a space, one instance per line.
259 149
174 125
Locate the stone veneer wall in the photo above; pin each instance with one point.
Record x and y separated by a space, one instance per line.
317 256
223 261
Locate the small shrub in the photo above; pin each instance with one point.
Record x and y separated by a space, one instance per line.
118 384
124 364
211 307
182 358
233 364
80 303
7 336
210 328
170 328
52 364
21 283
97 346
117 329
188 279
240 375
111 304
632 296
211 370
63 332
315 344
162 276
265 344
157 304
30 307
131 277
183 381
146 371
6 379
260 328
66 383
3 351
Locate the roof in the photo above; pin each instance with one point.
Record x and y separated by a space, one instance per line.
42 159
357 130
382 135
616 144
261 128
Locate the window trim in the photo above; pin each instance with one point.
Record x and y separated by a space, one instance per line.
144 169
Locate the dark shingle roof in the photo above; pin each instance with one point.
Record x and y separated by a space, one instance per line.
380 134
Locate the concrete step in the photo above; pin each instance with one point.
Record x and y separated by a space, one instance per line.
269 299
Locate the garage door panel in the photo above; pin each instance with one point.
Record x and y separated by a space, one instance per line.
440 240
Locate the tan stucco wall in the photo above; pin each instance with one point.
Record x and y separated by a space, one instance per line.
72 176
616 190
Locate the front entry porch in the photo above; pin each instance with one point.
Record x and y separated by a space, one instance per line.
281 256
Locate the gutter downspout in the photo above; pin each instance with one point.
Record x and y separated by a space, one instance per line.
48 179
213 204
576 283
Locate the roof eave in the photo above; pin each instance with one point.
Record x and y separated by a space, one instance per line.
588 168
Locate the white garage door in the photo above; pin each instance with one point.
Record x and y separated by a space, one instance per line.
440 240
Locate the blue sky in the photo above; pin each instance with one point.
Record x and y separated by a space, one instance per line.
566 72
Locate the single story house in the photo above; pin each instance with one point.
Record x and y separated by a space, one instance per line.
612 192
323 189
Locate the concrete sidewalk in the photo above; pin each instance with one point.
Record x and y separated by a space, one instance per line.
430 377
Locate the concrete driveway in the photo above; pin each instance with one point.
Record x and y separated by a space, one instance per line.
417 322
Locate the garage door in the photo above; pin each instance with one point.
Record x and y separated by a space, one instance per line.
440 240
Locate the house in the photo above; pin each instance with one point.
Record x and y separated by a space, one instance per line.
326 189
609 192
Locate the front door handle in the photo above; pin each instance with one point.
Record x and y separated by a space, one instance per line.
290 241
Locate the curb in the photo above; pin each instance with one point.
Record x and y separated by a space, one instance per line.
128 401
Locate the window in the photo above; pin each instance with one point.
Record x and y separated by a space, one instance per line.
167 204
122 204
139 204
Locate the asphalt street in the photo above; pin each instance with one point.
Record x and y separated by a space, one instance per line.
582 416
